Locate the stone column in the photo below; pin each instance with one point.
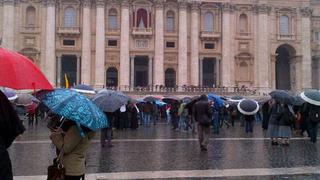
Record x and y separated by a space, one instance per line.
194 70
59 71
78 70
124 45
273 70
50 42
132 72
263 48
306 48
183 44
150 70
200 62
159 45
217 71
227 53
8 24
100 45
86 43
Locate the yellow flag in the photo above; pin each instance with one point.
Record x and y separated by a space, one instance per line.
66 80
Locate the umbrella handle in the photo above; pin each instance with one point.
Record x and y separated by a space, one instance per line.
61 119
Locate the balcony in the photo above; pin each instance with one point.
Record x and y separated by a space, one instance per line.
286 37
69 30
142 32
205 35
30 29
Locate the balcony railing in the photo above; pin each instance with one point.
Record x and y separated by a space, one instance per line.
136 31
286 37
69 30
210 35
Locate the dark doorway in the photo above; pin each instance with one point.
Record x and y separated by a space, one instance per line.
69 68
170 77
141 71
283 79
112 77
208 72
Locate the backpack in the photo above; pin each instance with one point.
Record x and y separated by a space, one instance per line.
314 114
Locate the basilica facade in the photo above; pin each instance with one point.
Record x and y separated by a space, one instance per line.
260 44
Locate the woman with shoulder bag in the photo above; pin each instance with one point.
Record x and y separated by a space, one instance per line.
74 147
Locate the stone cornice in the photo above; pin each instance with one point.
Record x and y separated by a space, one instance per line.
306 12
100 3
8 2
125 3
51 3
183 4
159 4
86 3
262 9
113 2
195 5
227 7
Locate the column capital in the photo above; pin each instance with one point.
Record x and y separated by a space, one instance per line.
262 9
100 3
50 3
8 2
306 11
195 5
125 3
183 4
86 3
228 7
159 4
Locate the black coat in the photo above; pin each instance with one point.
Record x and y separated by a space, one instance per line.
203 112
275 113
286 118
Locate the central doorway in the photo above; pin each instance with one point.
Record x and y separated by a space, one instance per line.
283 67
208 72
69 68
141 71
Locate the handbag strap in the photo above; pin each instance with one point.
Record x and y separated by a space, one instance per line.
61 153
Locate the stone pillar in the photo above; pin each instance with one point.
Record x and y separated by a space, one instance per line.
183 44
217 72
150 70
59 71
306 48
200 62
124 45
159 45
50 41
194 70
100 45
132 72
273 70
227 53
8 24
78 70
86 43
263 48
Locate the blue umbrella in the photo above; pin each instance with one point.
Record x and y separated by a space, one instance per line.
75 107
11 94
217 99
82 88
160 103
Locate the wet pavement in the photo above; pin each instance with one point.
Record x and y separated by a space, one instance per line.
158 148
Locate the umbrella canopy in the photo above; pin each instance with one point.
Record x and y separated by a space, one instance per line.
216 98
170 99
312 96
263 99
11 94
282 96
110 101
150 99
298 101
25 100
236 98
75 107
248 107
124 98
192 102
19 72
82 88
186 99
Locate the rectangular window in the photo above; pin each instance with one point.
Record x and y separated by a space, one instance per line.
113 24
170 44
317 36
170 24
69 42
209 45
112 43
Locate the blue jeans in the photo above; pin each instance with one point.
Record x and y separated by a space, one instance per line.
216 122
182 122
147 119
249 126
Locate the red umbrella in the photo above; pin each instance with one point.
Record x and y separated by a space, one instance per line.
19 72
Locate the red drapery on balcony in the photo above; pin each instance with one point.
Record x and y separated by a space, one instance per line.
142 15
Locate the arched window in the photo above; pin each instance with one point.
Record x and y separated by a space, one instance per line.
112 19
31 16
208 22
112 77
243 23
244 72
284 25
70 17
170 21
170 77
142 18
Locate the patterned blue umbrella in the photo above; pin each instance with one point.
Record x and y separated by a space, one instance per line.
75 107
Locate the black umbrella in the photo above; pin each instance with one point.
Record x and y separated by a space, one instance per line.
186 99
298 101
192 102
110 101
236 98
248 107
150 99
170 99
282 96
312 96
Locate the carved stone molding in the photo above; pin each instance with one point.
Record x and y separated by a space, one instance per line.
195 5
125 3
113 2
86 3
51 2
262 9
183 4
227 7
159 4
306 12
8 2
100 3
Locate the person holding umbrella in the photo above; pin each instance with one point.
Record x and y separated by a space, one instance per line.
286 120
10 128
248 108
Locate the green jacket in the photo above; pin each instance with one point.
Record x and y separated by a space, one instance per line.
75 149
